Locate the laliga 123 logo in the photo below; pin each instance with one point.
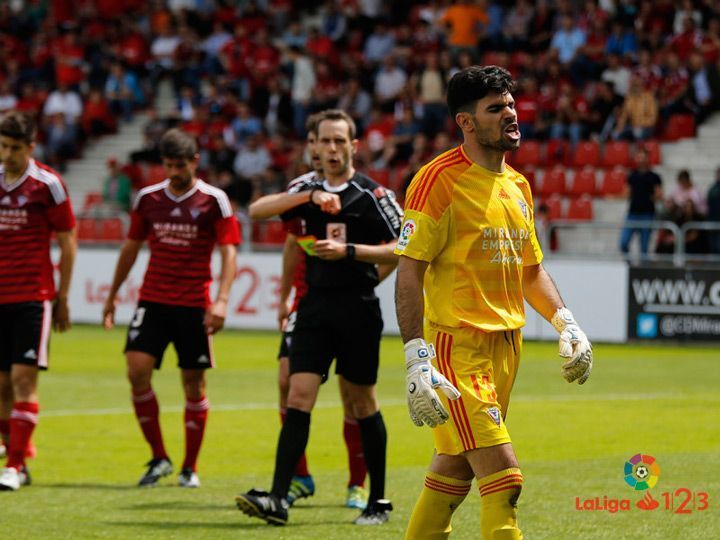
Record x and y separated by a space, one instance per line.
408 229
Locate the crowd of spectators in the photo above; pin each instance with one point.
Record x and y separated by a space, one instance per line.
246 74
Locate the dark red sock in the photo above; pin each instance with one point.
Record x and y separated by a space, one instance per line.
356 458
147 412
23 419
301 469
196 413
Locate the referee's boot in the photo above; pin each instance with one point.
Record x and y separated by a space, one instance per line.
263 505
376 513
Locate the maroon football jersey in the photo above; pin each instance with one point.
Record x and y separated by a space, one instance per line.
30 209
181 232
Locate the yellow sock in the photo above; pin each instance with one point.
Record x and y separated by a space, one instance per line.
433 511
499 493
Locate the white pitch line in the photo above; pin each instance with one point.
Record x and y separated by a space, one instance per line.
386 402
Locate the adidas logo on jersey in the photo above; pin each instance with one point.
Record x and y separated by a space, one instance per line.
6 200
503 195
30 354
176 212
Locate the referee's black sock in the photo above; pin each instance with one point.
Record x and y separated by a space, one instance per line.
291 445
374 440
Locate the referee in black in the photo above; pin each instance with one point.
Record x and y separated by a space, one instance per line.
355 222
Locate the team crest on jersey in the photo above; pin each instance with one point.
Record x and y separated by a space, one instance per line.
22 199
194 212
408 229
494 413
523 208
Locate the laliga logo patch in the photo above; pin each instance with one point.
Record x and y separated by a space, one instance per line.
408 229
494 413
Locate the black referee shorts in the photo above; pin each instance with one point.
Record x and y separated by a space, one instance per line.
341 325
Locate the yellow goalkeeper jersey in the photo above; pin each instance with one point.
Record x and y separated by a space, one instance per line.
476 229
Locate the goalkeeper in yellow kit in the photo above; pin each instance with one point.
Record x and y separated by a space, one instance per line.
469 257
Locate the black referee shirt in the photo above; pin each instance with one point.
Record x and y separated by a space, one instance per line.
369 215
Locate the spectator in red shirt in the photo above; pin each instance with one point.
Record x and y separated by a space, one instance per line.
97 119
527 105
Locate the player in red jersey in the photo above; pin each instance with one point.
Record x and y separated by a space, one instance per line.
33 204
293 278
182 218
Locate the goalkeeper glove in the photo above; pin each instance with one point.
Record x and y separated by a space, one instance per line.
574 346
422 379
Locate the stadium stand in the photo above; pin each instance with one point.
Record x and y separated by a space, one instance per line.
227 74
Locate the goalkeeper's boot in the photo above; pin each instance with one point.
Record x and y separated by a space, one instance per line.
188 478
376 513
9 479
263 505
157 468
357 497
301 487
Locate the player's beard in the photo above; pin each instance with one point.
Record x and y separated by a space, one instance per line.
181 183
483 137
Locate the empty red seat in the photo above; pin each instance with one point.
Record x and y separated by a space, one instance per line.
613 182
92 198
112 230
87 229
583 182
554 204
653 150
553 182
529 153
529 175
580 209
557 152
679 126
617 153
586 153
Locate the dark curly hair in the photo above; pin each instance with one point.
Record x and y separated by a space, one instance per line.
471 84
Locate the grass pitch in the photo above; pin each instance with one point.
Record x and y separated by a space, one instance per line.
572 443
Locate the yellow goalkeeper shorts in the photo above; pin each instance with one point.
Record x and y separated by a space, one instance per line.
482 366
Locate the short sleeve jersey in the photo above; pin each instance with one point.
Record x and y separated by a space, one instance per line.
31 208
181 232
476 229
369 215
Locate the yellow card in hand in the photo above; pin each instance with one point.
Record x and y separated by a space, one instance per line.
307 243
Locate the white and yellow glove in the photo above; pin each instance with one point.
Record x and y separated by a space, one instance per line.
422 379
574 346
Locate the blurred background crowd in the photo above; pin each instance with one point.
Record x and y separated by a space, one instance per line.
246 74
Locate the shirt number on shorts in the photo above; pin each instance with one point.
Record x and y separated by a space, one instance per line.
138 317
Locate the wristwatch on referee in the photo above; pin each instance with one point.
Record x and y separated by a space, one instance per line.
350 251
